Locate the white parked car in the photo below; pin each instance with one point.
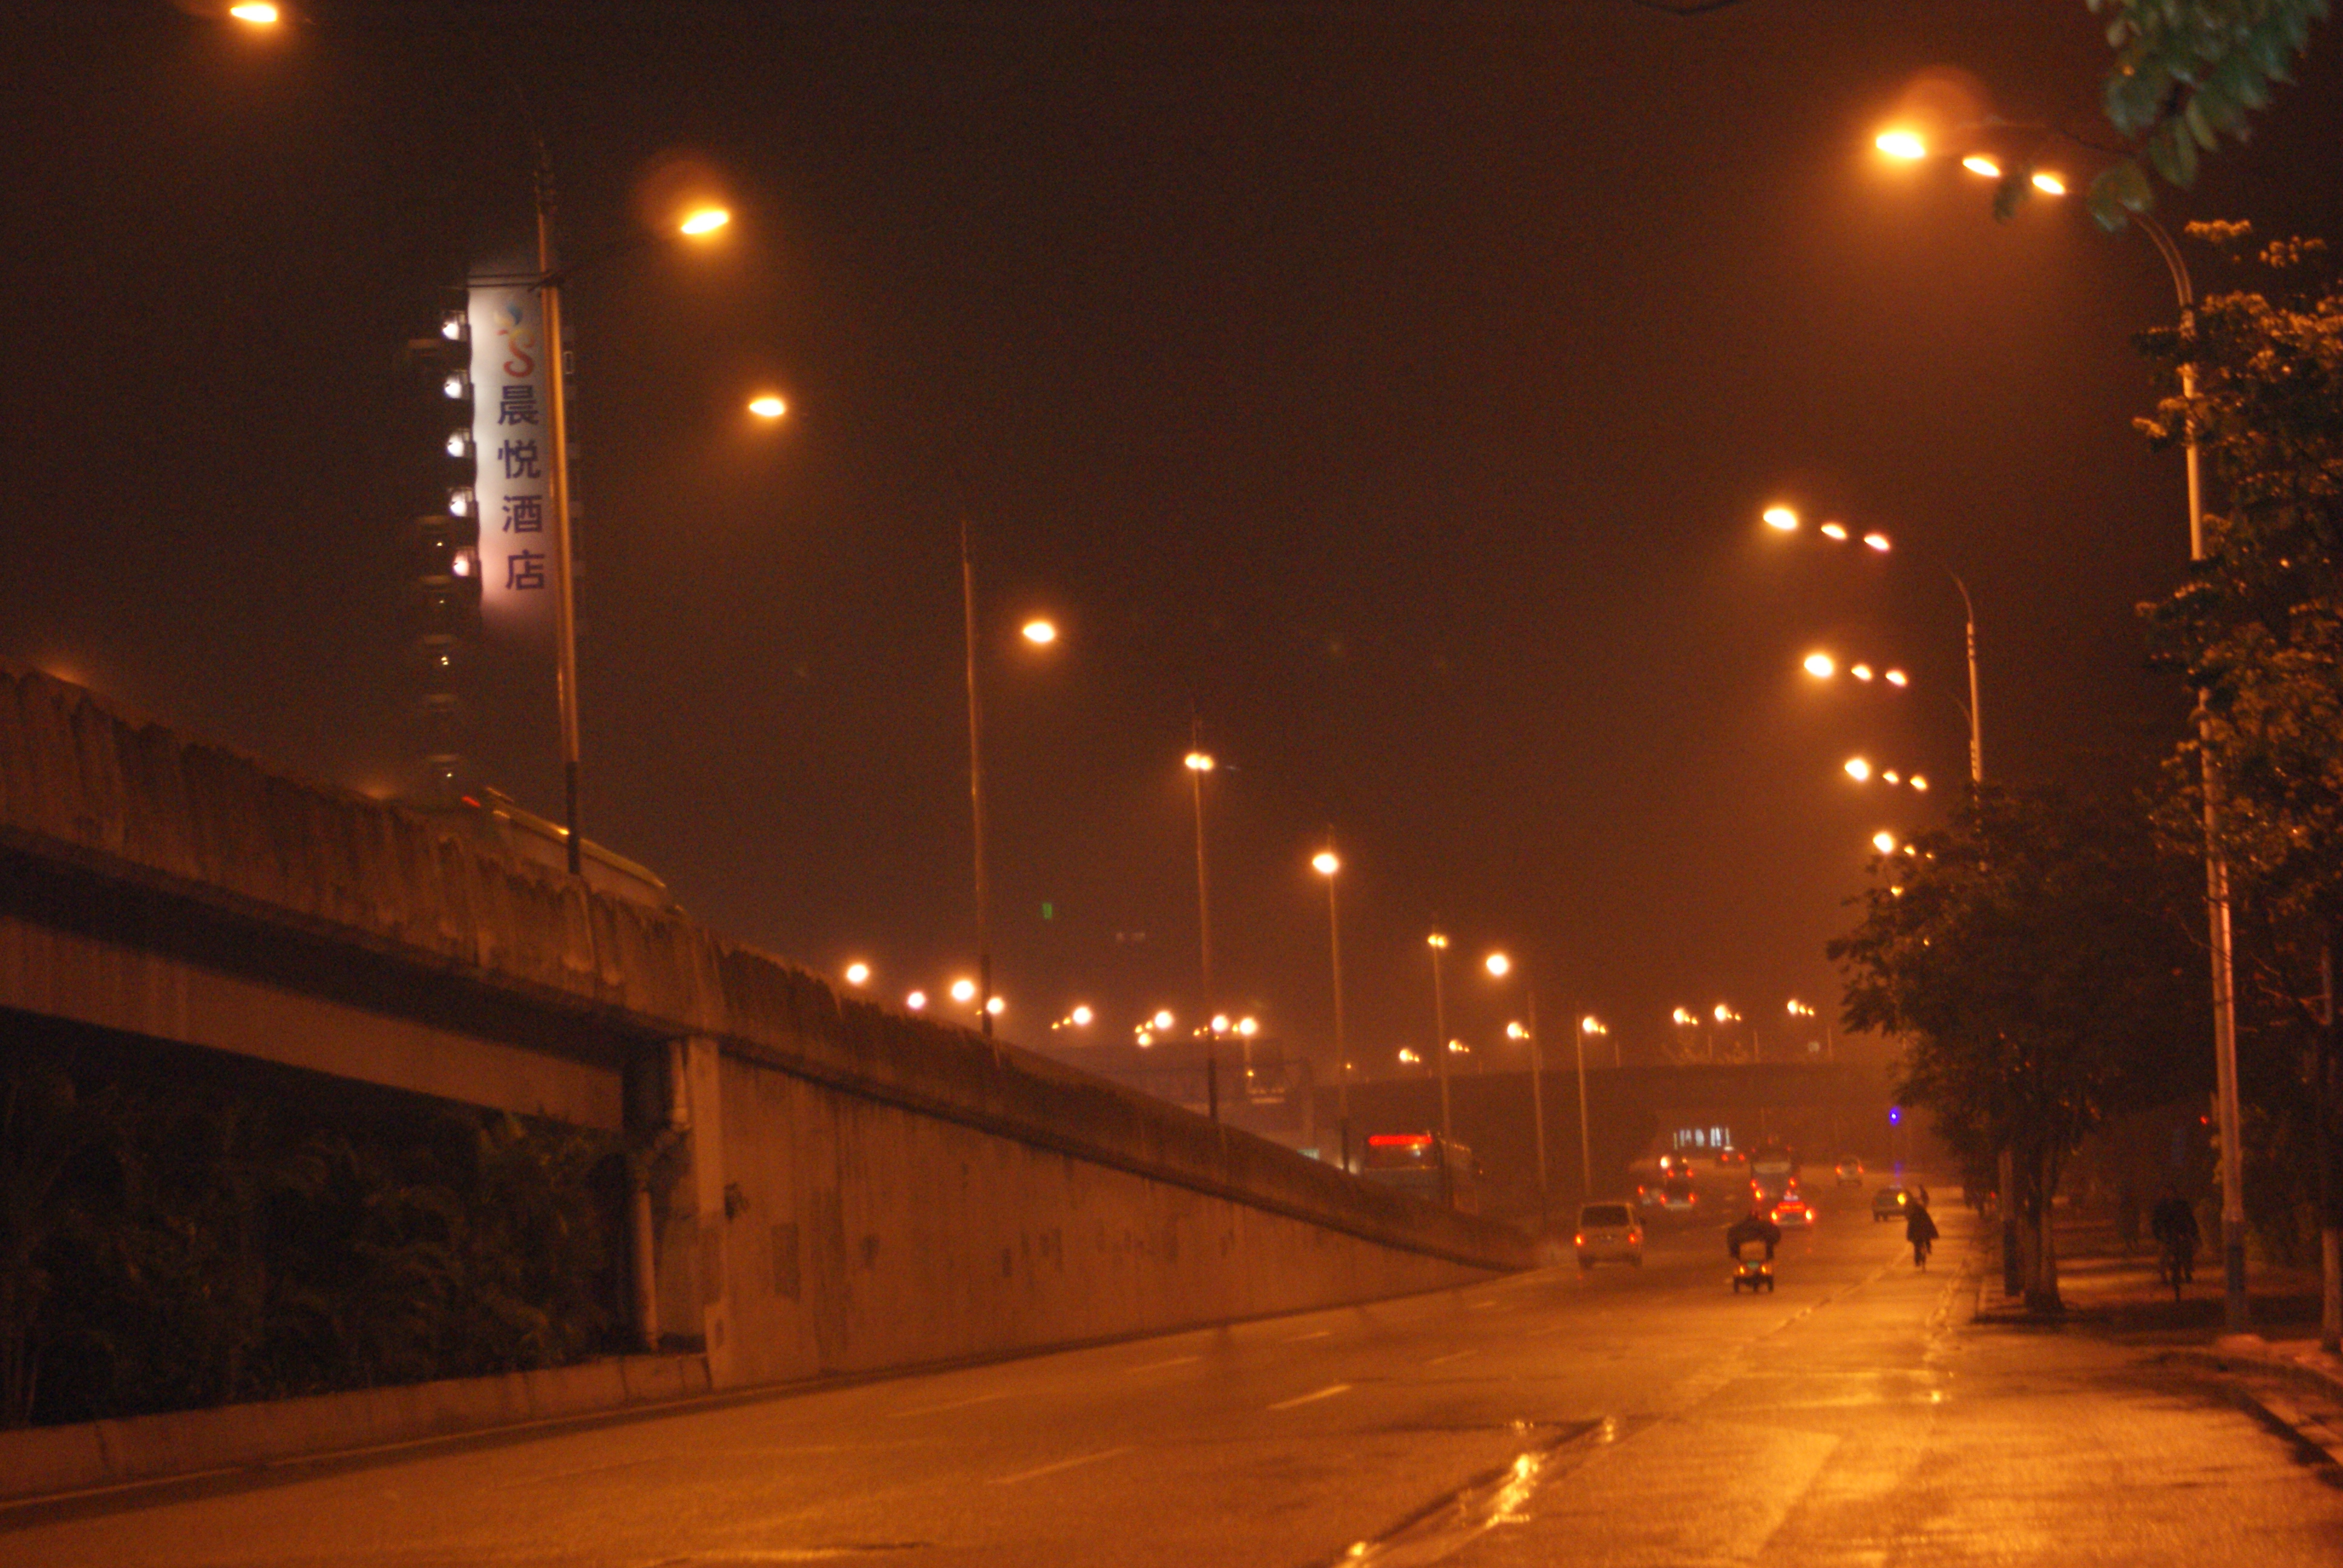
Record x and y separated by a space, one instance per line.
1609 1234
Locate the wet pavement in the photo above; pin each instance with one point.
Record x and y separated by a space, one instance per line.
1627 1416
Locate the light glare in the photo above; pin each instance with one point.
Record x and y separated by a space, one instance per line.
1199 761
2050 184
768 406
1834 531
1902 145
1883 842
1499 964
1039 632
1877 542
258 15
1857 769
963 990
1897 678
1860 671
916 1001
1978 164
1821 665
1325 862
1781 517
857 973
706 220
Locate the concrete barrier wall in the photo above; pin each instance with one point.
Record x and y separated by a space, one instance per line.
864 1236
849 1189
46 1462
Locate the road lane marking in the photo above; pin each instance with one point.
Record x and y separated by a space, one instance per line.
1159 1366
955 1404
1329 1392
1038 1471
1319 1334
1450 1356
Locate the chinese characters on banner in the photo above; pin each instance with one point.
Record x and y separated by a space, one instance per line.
512 444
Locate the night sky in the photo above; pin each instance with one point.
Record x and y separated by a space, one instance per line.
1392 387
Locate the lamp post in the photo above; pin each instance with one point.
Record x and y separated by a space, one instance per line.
1438 943
1039 633
1501 967
1200 762
1906 144
1326 863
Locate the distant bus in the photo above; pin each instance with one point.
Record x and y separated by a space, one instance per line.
1437 1169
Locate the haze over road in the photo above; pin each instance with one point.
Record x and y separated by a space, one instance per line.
1626 1416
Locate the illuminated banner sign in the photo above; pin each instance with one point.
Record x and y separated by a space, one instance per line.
512 445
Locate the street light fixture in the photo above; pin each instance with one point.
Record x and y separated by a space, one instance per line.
1328 864
768 406
976 767
1200 762
256 15
1499 965
2217 865
1438 943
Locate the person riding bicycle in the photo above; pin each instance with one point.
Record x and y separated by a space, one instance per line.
2174 1226
1920 1230
1755 1226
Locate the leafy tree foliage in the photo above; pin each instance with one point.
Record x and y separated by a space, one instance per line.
2258 628
2187 73
169 1243
2034 955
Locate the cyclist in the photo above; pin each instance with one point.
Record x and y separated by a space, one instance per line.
1920 1230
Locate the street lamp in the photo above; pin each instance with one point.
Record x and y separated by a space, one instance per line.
1500 966
2216 864
1438 943
768 406
1786 520
1198 762
1326 863
976 769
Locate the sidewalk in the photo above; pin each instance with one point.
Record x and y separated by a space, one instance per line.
2120 1296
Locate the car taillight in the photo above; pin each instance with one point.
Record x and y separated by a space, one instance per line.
1579 1240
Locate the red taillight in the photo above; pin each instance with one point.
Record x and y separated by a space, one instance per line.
1578 1240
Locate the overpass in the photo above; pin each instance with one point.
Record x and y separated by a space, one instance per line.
836 1188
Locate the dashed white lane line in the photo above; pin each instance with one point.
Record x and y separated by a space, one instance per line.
1450 1356
1315 1335
1159 1366
955 1404
1329 1392
1039 1471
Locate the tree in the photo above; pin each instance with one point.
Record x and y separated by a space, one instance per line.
2034 955
2186 73
2257 629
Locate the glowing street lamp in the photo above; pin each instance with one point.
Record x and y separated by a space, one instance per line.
917 1001
1858 769
1885 842
1198 762
1081 1016
1438 942
2216 868
768 406
857 973
1821 666
963 990
1326 863
1040 633
976 762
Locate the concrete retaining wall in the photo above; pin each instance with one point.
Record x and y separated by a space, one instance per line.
46 1462
837 1189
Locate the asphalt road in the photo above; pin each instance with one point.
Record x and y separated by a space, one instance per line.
1628 1416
